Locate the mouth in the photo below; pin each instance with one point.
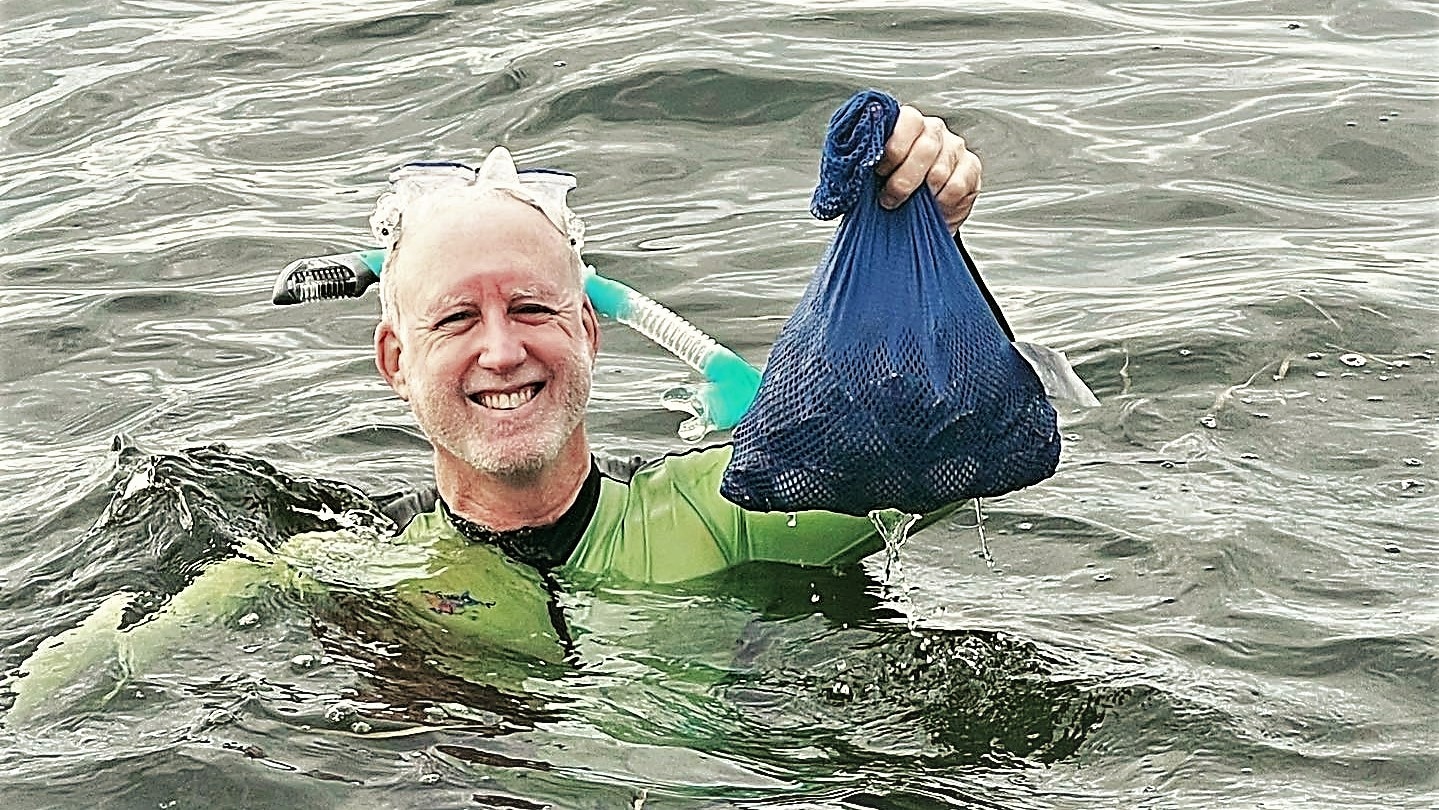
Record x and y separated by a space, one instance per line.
506 400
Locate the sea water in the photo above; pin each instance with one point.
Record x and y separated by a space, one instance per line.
1225 597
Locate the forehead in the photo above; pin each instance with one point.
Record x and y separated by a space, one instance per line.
467 243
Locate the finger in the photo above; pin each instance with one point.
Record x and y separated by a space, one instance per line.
907 127
956 188
915 169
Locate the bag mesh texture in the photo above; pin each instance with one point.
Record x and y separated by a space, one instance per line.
892 385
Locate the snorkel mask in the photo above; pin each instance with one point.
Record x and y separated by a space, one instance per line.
543 189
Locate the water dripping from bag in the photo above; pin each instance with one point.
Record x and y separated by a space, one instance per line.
894 527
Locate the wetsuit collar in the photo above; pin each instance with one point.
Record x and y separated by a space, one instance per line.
544 547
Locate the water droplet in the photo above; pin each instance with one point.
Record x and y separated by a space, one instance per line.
1315 356
1209 422
1321 374
1102 577
1353 360
1259 415
249 619
1351 123
1384 119
1384 377
1246 771
559 63
1293 26
1249 456
983 541
1410 483
1072 437
1024 527
1185 352
1392 549
360 727
1413 462
431 778
1167 464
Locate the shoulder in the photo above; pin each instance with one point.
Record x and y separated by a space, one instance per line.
666 522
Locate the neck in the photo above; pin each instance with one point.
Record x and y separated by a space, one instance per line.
505 503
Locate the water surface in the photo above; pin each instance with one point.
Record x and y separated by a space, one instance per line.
1225 212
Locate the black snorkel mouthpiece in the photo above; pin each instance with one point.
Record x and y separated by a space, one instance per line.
344 275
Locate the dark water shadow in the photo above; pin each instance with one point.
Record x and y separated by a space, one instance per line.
708 96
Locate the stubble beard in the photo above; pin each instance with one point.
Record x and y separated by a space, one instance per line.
452 428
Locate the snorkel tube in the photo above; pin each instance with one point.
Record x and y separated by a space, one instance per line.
716 404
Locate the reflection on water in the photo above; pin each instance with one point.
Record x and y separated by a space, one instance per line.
1225 597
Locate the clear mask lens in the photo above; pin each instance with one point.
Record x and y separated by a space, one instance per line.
544 189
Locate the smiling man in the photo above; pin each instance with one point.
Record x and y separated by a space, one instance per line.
487 334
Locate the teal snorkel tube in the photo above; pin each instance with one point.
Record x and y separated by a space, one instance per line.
730 382
716 404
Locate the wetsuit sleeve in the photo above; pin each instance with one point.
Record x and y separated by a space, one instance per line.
671 524
92 661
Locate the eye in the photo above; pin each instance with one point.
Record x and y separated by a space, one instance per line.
456 318
532 309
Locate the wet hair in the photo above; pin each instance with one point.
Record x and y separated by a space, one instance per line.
390 279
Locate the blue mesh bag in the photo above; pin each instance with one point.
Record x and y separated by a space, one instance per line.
893 384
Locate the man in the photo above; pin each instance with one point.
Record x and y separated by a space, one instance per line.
486 332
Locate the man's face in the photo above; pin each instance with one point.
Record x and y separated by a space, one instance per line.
491 340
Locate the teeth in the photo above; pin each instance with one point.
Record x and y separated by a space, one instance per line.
510 401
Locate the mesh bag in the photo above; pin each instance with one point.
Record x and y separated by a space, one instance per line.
893 384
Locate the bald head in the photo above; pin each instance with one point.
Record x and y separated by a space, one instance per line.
452 227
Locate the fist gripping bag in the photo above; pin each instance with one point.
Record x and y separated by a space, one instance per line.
892 385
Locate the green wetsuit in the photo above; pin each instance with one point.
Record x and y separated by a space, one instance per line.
484 611
668 523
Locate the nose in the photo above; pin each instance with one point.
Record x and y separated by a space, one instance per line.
502 348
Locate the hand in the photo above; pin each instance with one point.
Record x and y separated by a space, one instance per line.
923 150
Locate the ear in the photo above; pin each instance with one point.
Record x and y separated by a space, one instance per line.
592 327
387 359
